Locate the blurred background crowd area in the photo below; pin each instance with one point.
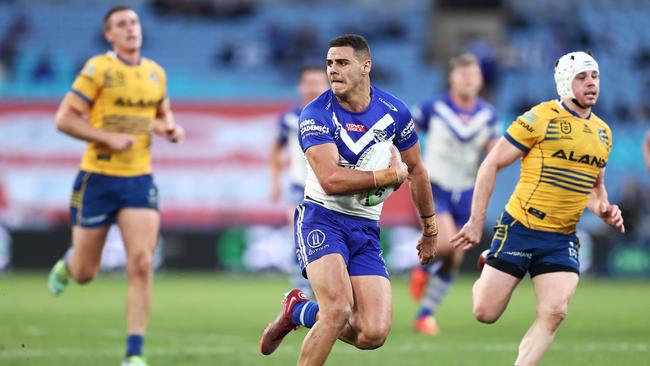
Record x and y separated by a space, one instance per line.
232 68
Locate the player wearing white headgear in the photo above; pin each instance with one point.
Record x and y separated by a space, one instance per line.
563 149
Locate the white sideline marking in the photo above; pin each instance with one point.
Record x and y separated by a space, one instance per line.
78 352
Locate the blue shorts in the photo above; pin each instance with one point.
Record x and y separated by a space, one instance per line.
517 249
296 194
320 231
457 203
96 198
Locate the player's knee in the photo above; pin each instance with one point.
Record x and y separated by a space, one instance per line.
372 338
83 275
484 314
335 316
140 264
553 315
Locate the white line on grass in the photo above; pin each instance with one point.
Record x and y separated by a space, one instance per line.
403 349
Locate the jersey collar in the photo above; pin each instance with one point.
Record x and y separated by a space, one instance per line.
125 61
572 112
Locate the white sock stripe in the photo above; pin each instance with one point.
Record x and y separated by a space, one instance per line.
302 314
301 242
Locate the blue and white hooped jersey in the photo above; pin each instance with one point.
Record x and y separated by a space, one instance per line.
324 121
288 136
454 139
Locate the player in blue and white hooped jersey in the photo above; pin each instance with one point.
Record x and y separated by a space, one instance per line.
337 238
458 127
312 83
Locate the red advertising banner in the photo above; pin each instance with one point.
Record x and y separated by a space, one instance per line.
217 177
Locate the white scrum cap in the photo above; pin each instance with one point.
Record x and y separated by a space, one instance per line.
567 67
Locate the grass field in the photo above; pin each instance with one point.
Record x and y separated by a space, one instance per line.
208 319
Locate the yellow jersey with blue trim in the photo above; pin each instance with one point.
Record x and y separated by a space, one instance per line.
564 155
123 98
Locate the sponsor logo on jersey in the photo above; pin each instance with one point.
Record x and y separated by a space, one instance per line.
139 103
537 213
586 129
519 254
392 107
310 127
583 159
352 127
525 125
406 132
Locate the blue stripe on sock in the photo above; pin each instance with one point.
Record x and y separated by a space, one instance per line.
447 277
134 345
424 312
308 314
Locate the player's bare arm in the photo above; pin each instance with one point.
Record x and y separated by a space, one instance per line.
165 125
422 198
502 155
337 180
599 204
70 119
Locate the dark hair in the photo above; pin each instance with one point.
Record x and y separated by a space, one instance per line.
311 67
464 59
112 11
358 43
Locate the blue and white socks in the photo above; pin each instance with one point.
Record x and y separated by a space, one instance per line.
304 313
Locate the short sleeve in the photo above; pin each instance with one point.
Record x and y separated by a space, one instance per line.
283 130
163 83
496 129
88 82
527 130
315 129
421 115
405 136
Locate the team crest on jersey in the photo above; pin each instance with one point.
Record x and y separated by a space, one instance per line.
603 136
565 127
380 135
153 77
114 79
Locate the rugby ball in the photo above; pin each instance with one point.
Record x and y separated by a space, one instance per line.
376 157
482 259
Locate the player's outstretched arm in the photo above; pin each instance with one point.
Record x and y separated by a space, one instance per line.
503 154
420 187
71 121
598 203
165 125
336 180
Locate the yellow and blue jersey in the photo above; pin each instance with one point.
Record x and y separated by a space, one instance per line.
123 98
564 155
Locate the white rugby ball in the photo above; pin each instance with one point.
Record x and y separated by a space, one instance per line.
376 157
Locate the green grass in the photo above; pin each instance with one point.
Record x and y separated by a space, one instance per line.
209 319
